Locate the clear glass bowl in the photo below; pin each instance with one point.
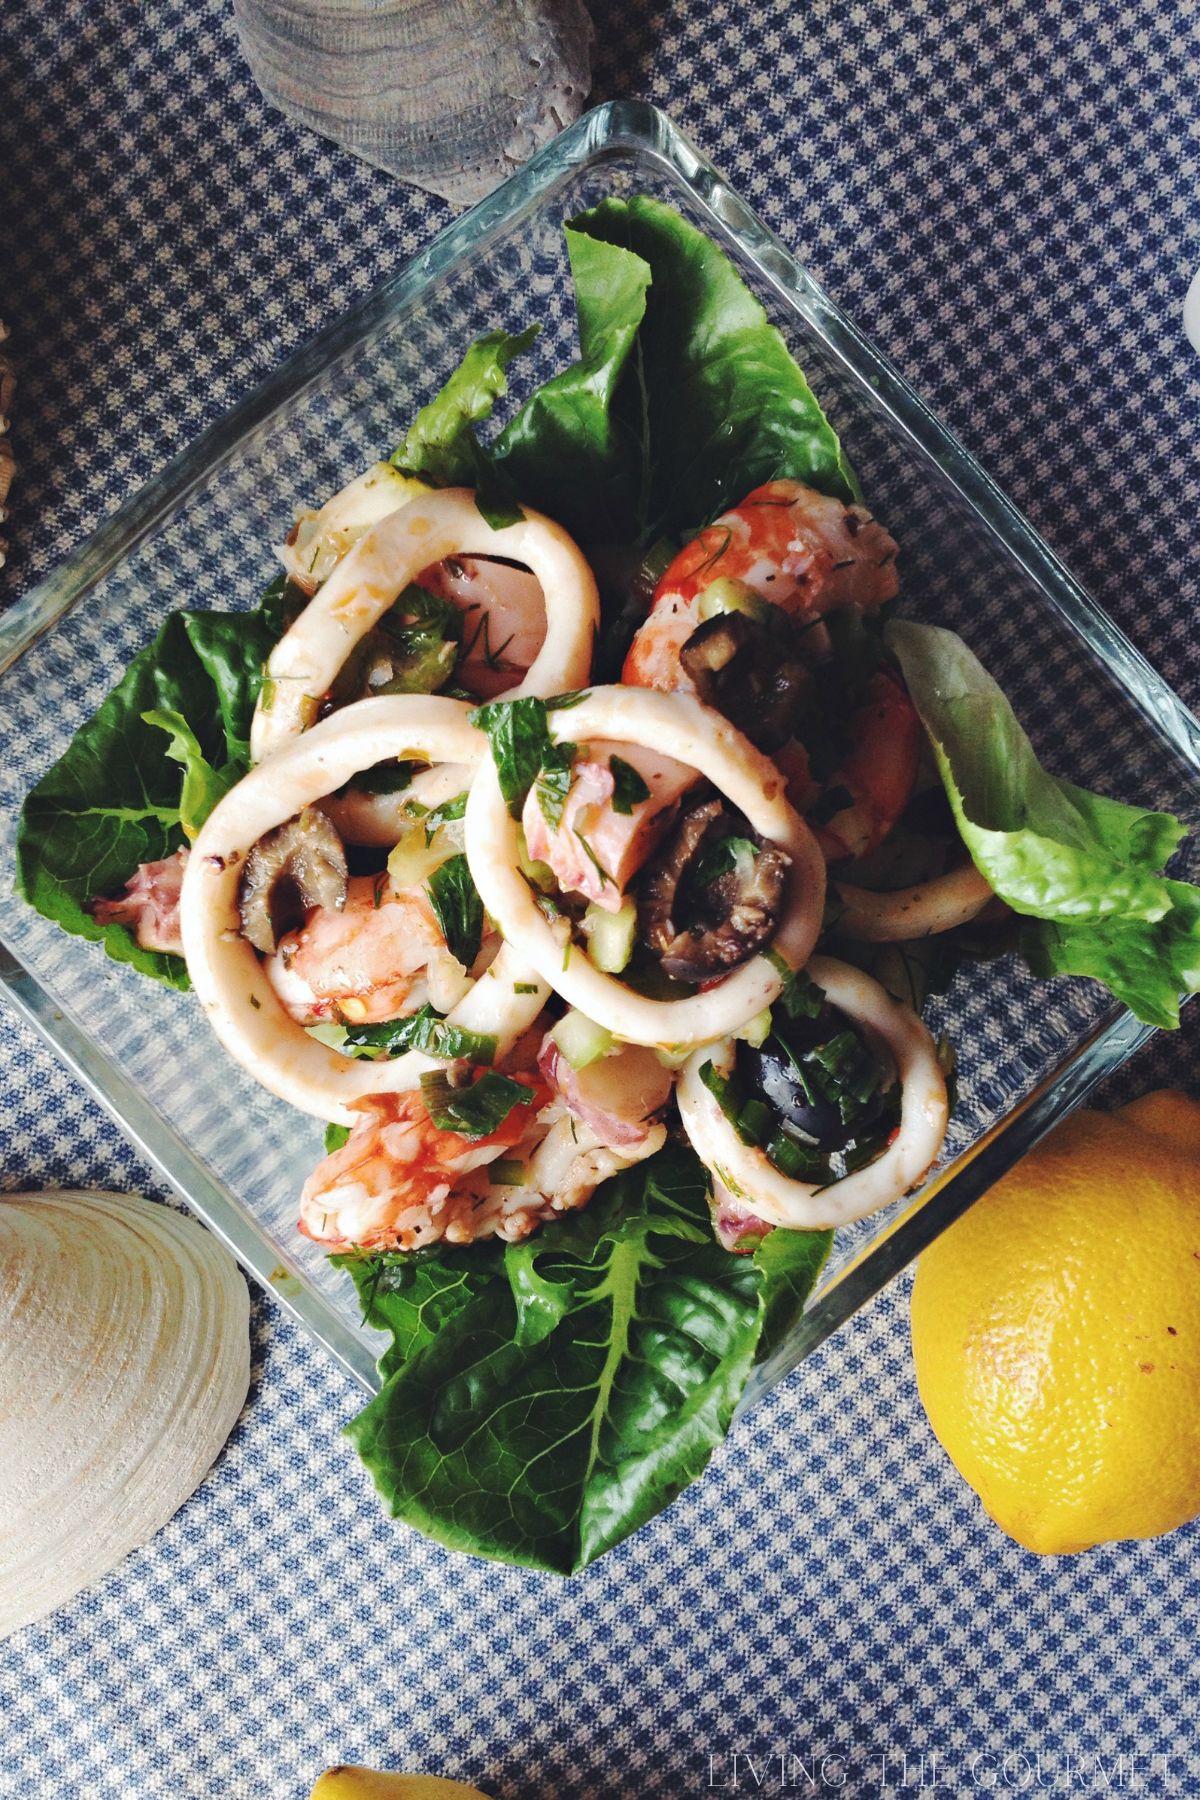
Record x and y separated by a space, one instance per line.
200 535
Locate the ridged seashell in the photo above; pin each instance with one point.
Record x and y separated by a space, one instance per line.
8 465
450 94
124 1362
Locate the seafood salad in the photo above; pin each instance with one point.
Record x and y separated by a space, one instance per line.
576 828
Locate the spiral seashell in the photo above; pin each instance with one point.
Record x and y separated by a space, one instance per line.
452 95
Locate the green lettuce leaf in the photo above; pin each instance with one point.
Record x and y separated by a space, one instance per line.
1148 965
585 1378
683 398
414 1296
203 785
715 397
1081 869
570 451
441 446
125 794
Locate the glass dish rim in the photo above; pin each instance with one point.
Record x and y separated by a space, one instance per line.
601 134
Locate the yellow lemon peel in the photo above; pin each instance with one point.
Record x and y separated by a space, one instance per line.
1056 1332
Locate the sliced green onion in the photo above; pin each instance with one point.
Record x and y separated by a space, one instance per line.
474 1112
508 1172
757 1030
425 1030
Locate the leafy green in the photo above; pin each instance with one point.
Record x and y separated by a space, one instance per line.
475 1111
553 782
446 814
544 1400
519 739
457 908
722 857
1080 869
121 796
800 997
422 633
715 397
203 785
390 777
1148 965
424 1030
684 397
335 1137
571 450
441 447
414 1296
519 735
629 790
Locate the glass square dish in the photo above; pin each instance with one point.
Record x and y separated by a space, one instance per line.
202 531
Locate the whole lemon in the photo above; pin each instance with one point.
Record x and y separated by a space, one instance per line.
350 1781
1056 1332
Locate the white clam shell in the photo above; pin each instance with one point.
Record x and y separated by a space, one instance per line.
124 1362
450 94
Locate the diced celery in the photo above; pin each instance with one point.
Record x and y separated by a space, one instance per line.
610 935
580 1039
728 595
755 1032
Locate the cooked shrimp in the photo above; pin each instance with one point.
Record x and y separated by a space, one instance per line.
802 551
879 773
398 1183
381 956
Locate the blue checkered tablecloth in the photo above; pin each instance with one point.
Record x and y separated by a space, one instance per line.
1006 195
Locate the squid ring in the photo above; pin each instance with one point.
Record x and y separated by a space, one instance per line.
371 577
753 1180
898 915
229 980
679 726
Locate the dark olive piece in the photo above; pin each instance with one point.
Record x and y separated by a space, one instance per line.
704 927
747 669
770 1074
295 867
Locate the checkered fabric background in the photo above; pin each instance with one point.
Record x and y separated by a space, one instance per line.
1006 197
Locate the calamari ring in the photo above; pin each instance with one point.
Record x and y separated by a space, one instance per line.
897 915
754 1182
679 726
380 820
230 981
370 578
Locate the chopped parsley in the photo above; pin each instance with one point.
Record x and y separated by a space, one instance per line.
457 908
629 790
520 740
553 783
